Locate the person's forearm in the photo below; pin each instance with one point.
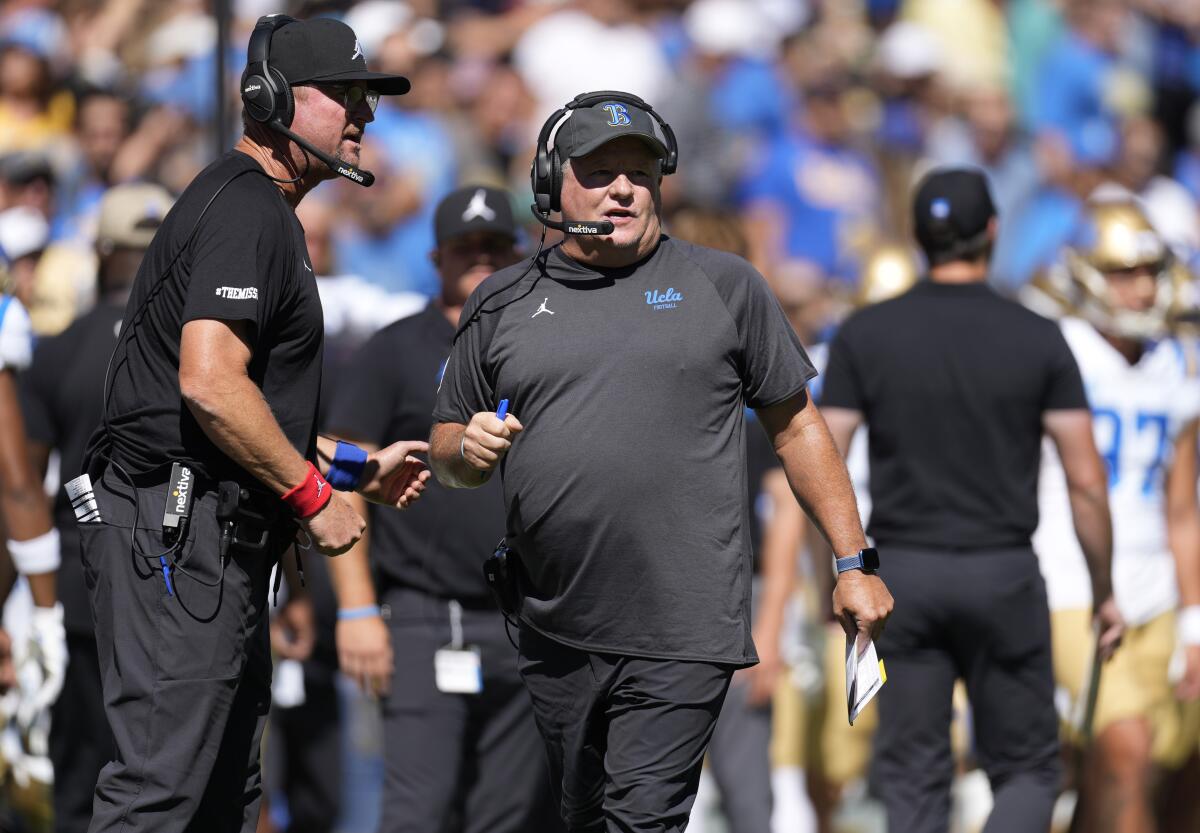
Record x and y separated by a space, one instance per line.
350 572
783 539
1093 528
1185 545
233 414
819 480
24 507
446 460
43 587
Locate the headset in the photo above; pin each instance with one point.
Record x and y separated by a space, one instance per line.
545 178
268 98
545 174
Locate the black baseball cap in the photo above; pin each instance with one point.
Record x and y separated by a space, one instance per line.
951 212
474 208
326 51
590 127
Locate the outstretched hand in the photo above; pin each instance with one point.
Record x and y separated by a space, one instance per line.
393 476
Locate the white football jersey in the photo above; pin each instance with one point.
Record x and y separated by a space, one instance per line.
1137 413
16 335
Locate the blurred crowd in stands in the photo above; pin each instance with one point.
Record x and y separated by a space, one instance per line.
803 120
802 125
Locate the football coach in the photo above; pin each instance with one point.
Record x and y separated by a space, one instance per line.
208 458
957 387
629 357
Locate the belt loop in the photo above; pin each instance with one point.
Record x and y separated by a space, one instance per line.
456 631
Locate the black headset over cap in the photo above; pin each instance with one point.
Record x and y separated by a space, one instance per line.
545 175
321 50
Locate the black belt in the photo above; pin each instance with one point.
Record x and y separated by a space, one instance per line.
252 499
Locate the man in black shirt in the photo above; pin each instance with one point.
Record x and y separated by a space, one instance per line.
472 751
629 357
213 394
61 394
957 386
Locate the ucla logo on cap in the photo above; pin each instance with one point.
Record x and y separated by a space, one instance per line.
940 208
618 116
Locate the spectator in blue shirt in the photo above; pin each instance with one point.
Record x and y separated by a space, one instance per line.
811 195
987 137
413 154
1043 224
1073 96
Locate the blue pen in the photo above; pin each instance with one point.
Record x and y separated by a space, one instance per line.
502 411
166 568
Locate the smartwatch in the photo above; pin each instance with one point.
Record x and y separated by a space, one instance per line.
866 560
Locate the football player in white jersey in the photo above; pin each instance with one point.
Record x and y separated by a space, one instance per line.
1144 392
40 656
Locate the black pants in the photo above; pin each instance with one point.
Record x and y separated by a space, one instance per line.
80 741
186 677
459 762
980 616
739 758
304 755
626 736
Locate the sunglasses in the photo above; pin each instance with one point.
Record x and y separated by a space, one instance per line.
351 95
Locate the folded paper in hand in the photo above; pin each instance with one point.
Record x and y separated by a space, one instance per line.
865 675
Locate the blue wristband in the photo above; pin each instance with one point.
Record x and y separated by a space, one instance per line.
348 613
347 467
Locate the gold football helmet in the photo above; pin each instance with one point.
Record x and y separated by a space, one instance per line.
890 269
1116 236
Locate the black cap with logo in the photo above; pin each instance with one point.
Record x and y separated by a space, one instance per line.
590 127
951 212
474 208
323 50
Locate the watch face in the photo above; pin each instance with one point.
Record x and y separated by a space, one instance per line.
870 558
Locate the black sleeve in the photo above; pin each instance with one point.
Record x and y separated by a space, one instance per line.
240 261
1064 384
465 389
842 386
365 397
36 391
773 364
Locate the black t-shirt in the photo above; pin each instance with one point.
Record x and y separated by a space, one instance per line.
953 381
387 393
626 492
245 260
761 460
61 393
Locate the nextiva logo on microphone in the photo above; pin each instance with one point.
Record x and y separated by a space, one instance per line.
664 300
355 175
582 228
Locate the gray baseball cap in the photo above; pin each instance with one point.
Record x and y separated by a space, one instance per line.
590 127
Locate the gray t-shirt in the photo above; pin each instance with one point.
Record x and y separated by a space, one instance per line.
626 492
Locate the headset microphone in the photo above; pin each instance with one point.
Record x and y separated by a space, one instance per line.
599 227
364 178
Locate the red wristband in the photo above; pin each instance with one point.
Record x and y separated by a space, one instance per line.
309 496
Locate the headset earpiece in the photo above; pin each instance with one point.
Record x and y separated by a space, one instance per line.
545 174
266 94
556 175
285 98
